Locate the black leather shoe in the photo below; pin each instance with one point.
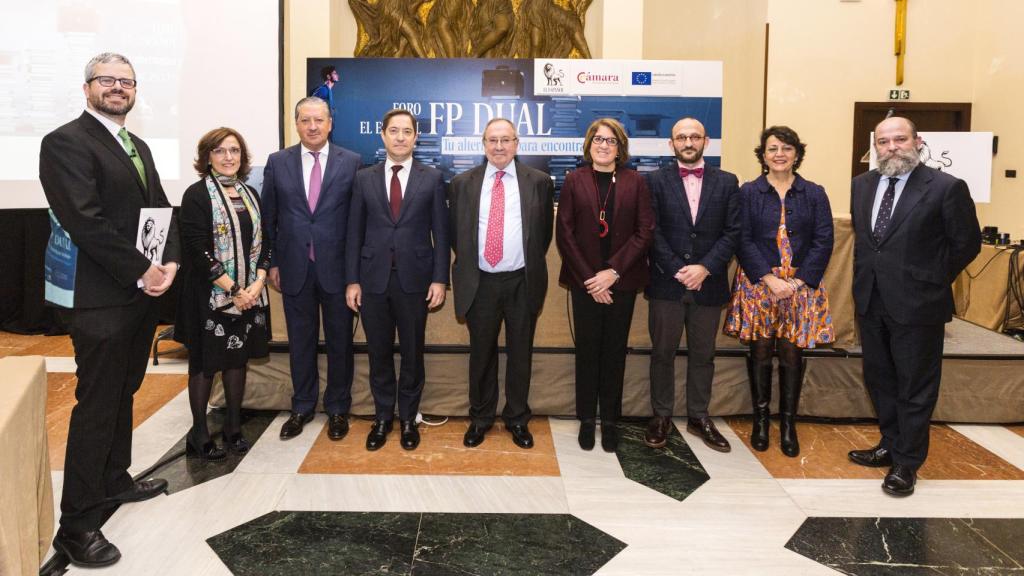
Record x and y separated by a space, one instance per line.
899 481
410 435
86 549
609 436
378 434
521 436
705 428
142 490
474 436
586 435
337 426
236 443
876 457
293 426
206 451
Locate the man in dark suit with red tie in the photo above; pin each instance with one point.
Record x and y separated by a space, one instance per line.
306 190
397 268
915 230
697 229
97 177
502 216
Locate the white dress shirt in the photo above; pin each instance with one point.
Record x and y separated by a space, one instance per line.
403 175
110 125
512 257
883 183
307 165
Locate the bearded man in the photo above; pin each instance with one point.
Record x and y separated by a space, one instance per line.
697 229
915 230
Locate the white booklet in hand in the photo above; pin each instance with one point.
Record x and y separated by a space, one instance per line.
154 225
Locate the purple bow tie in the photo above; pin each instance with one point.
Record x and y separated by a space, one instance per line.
698 172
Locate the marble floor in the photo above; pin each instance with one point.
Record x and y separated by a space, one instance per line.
313 506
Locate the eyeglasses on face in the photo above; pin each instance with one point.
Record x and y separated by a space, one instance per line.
221 152
681 138
602 140
108 81
502 141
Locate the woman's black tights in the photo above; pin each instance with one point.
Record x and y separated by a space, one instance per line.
199 388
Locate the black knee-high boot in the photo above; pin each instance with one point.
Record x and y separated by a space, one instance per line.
759 373
791 380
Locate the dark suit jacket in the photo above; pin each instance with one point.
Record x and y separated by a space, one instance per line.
536 193
711 242
932 236
577 229
95 191
290 226
417 242
808 225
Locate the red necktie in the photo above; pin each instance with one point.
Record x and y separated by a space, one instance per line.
396 192
315 182
494 243
698 172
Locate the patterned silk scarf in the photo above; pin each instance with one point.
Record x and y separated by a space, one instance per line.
227 243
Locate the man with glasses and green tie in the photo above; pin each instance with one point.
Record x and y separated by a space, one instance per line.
97 177
502 219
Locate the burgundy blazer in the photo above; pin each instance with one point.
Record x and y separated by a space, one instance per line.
632 228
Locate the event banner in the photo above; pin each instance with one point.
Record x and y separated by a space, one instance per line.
551 102
59 266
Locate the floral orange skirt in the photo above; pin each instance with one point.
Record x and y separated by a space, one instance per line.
804 318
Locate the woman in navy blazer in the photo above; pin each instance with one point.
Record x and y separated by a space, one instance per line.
778 302
603 230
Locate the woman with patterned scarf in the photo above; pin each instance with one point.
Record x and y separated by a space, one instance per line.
223 318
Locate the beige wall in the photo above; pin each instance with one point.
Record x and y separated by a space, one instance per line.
824 56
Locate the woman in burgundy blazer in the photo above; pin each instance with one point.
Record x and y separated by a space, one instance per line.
603 230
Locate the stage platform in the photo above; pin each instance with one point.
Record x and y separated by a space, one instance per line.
982 380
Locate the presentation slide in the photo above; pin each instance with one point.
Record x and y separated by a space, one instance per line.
199 65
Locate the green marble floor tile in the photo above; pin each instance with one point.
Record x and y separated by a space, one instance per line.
673 470
913 546
433 544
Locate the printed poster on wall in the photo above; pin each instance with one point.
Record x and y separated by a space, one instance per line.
551 102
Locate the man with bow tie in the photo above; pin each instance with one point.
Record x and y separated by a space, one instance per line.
697 229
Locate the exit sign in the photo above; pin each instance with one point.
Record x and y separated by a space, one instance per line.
899 94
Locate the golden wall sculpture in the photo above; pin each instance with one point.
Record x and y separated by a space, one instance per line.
471 28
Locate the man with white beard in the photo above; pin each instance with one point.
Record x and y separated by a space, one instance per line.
915 230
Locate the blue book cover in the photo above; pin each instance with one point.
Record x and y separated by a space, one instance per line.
59 266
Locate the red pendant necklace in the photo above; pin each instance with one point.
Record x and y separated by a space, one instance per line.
601 213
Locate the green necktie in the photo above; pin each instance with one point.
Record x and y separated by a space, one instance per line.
129 146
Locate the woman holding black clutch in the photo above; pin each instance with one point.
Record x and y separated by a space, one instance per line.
603 230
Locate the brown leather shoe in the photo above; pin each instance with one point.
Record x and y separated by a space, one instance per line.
658 429
705 428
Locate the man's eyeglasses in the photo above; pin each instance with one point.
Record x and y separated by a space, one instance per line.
502 141
220 152
681 138
108 81
602 140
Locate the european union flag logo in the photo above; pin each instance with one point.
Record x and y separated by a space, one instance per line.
641 78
